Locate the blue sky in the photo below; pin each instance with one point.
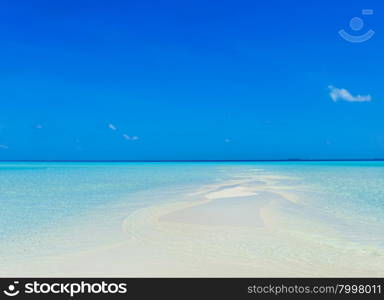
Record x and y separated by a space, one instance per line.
189 80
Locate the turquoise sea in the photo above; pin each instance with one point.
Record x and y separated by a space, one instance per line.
35 197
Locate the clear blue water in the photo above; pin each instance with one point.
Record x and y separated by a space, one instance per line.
350 189
38 195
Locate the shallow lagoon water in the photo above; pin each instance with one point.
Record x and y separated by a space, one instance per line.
56 208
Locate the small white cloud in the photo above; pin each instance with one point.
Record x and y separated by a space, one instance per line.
130 138
111 126
343 94
4 147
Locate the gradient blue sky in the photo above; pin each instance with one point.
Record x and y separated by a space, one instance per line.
188 80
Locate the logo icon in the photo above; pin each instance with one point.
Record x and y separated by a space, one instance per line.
357 24
12 291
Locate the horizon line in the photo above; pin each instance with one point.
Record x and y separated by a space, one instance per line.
203 160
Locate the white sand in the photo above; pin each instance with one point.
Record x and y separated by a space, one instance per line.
235 229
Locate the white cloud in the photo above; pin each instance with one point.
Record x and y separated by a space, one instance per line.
131 138
343 94
111 126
